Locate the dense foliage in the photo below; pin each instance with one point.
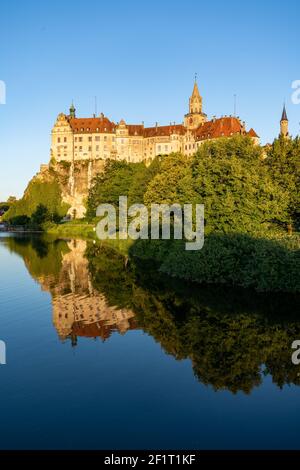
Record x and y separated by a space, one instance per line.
284 167
251 202
120 179
241 191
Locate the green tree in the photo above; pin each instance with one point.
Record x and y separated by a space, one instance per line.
40 215
114 182
230 178
284 167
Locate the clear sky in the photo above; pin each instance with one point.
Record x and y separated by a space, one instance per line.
139 59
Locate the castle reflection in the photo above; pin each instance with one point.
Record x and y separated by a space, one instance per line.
80 310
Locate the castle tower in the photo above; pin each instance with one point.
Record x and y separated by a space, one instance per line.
284 124
195 116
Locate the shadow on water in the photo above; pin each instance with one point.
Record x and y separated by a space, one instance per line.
233 337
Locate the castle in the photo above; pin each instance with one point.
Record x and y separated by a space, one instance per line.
77 139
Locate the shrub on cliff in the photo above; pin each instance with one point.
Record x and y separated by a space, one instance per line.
39 192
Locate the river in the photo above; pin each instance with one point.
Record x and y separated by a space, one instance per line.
104 353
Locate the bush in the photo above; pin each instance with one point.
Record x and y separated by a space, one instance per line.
233 259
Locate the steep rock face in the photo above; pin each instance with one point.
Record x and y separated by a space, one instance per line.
75 180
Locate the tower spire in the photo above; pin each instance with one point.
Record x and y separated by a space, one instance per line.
284 123
284 114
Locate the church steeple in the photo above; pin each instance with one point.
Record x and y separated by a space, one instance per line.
284 123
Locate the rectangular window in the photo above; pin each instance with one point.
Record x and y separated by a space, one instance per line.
166 148
80 149
65 139
58 139
90 139
105 137
80 139
97 148
97 138
90 148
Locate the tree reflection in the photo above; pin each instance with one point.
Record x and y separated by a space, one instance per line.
234 338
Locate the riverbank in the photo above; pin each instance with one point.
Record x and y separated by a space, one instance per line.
71 229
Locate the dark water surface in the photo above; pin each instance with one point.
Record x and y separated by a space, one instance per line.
104 354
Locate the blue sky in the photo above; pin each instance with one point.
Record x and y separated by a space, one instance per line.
139 59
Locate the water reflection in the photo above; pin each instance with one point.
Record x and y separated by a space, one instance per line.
234 338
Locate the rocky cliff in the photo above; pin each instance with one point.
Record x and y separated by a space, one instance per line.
74 179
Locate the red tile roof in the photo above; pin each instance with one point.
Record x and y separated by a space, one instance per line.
158 131
252 133
135 129
222 127
88 125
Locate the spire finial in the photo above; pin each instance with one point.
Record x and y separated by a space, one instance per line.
196 77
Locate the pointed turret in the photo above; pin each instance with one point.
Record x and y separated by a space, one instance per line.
72 110
284 124
284 115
